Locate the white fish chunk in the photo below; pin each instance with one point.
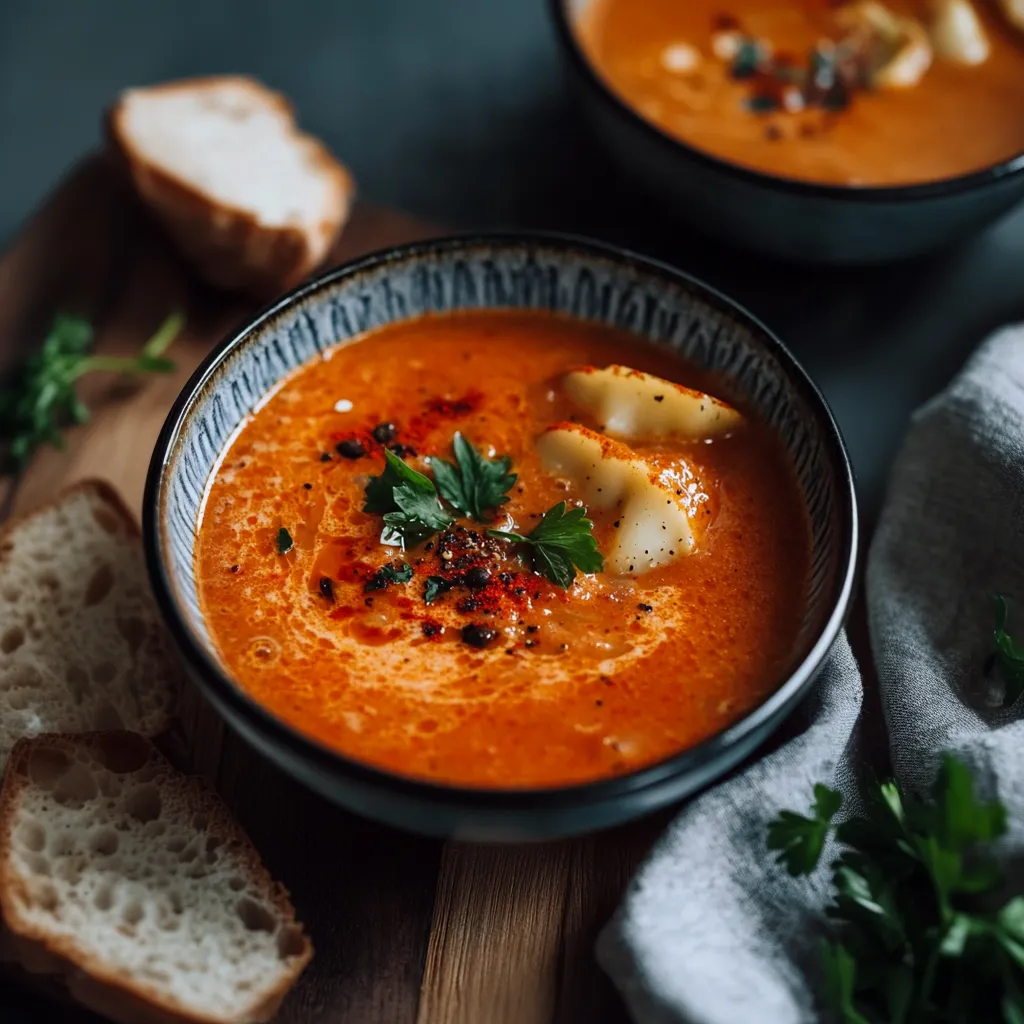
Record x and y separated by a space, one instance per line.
957 33
654 527
637 406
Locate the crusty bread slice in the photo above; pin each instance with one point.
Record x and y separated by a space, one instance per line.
82 645
251 201
134 881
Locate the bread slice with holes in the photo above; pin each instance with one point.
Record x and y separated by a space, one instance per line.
253 203
133 881
82 645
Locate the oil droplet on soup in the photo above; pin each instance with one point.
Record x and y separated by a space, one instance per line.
502 678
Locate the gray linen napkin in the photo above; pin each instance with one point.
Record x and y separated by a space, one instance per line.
712 931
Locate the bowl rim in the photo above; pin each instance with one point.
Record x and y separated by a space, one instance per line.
330 762
913 191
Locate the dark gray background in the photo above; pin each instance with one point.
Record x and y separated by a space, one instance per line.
455 110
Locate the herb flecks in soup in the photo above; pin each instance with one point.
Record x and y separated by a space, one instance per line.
861 92
428 551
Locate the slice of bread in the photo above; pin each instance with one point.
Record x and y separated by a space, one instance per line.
135 883
82 645
251 201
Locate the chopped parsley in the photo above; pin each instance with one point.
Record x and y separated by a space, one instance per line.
436 586
477 484
562 542
284 541
388 574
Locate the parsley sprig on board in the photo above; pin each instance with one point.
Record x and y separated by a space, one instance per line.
40 399
562 542
925 933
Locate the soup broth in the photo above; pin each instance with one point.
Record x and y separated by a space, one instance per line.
768 84
455 659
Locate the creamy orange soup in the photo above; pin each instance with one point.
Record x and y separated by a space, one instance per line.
505 678
847 93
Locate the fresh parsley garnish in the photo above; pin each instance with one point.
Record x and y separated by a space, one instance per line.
408 501
476 484
560 543
388 574
284 541
926 935
40 399
799 840
1009 657
436 586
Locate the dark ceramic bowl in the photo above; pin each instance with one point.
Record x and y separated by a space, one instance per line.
796 220
574 278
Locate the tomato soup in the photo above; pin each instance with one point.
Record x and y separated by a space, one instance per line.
855 93
455 652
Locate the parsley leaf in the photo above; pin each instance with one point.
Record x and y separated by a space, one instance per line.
409 501
380 490
927 934
477 484
560 543
436 586
388 574
799 840
40 399
1008 656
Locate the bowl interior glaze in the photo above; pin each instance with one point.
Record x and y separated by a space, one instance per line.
570 277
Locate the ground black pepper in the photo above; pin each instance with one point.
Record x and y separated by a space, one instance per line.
350 449
477 635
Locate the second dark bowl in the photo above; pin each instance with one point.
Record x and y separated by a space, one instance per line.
795 220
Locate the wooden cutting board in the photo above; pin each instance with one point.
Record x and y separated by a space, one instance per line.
406 929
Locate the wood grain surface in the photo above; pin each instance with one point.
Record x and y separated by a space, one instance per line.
406 929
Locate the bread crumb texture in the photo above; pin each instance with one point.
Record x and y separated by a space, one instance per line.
137 874
82 646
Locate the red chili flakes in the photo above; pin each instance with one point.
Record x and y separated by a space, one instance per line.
437 411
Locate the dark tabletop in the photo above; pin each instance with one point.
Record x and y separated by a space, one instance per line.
455 110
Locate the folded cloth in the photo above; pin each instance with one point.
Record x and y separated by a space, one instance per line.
712 930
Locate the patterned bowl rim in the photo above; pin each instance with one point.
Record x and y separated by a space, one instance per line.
332 763
1008 167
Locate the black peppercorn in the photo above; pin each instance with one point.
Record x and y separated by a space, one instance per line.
384 432
350 449
478 636
477 577
326 588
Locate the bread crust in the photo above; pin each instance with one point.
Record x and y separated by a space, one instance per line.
227 245
105 491
83 972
